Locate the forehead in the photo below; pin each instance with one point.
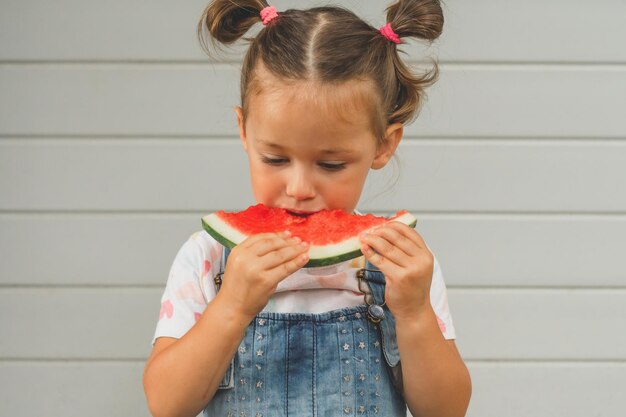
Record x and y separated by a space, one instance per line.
341 101
347 104
322 107
310 116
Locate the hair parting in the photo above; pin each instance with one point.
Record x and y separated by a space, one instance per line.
330 46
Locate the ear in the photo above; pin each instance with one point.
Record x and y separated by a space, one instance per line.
242 127
385 151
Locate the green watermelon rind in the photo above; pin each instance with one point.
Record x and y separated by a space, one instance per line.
319 255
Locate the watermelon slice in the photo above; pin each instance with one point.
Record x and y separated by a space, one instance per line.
333 235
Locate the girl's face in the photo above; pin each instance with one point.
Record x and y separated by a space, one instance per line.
304 158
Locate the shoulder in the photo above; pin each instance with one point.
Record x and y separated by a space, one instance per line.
196 262
199 256
201 245
203 240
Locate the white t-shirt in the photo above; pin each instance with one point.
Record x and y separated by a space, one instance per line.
190 287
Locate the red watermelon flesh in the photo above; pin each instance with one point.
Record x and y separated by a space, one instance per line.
332 234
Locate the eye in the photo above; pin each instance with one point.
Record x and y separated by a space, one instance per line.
337 166
273 161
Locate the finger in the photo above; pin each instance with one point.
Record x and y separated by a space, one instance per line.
408 232
254 239
389 268
261 246
376 259
283 270
385 249
397 238
282 255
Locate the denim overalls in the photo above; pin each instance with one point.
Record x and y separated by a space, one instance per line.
336 363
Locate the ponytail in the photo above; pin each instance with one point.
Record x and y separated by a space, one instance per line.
421 19
226 21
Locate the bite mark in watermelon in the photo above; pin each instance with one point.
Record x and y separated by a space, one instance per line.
333 235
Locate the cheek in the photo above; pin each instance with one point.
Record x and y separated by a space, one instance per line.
264 181
258 170
345 190
353 179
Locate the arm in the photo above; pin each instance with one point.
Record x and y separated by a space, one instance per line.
435 378
436 382
182 376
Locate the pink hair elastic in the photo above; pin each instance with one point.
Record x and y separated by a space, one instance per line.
388 33
268 14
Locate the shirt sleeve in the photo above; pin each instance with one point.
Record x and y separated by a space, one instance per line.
439 301
189 286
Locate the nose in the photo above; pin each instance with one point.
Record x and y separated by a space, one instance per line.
300 185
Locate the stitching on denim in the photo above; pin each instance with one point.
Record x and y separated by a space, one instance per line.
381 332
310 316
287 373
314 373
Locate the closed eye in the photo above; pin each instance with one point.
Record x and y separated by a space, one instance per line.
332 166
329 166
273 161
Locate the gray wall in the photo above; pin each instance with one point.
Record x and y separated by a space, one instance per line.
113 126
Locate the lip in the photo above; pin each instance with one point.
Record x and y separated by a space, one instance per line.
301 212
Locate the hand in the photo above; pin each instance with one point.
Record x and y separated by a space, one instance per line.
257 265
403 257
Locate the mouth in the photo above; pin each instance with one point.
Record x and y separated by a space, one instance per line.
299 213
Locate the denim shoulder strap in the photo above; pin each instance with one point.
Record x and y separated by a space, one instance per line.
218 277
228 382
225 254
376 281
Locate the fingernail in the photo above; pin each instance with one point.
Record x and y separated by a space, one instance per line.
304 244
286 233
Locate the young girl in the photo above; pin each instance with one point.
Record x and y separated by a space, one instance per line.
324 98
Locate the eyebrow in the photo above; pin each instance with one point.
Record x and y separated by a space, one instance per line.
330 151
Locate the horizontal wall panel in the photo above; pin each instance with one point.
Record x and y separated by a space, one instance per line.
123 175
117 99
473 250
496 30
534 251
69 323
547 389
162 30
490 324
91 249
194 99
72 389
540 324
92 30
434 175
